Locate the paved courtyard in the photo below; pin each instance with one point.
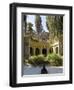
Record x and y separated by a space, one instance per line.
30 70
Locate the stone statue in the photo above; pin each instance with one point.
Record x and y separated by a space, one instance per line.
44 70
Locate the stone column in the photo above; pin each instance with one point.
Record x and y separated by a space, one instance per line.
58 49
47 51
34 51
54 50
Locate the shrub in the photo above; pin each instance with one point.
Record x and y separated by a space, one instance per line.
32 60
54 59
58 61
38 60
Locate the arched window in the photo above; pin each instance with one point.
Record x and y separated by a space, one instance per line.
56 49
31 51
37 51
44 51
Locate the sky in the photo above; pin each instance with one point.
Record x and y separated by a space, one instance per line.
31 18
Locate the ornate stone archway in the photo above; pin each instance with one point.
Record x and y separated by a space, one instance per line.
44 51
37 51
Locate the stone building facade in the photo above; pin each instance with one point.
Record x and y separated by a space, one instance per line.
35 44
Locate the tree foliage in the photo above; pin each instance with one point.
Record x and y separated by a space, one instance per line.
38 24
55 25
29 27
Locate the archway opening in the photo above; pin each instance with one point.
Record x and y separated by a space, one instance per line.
44 51
51 50
56 50
37 51
31 51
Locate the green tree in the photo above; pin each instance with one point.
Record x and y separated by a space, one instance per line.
30 27
55 27
38 24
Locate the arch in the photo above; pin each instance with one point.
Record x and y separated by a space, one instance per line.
37 51
51 50
31 51
56 50
44 51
